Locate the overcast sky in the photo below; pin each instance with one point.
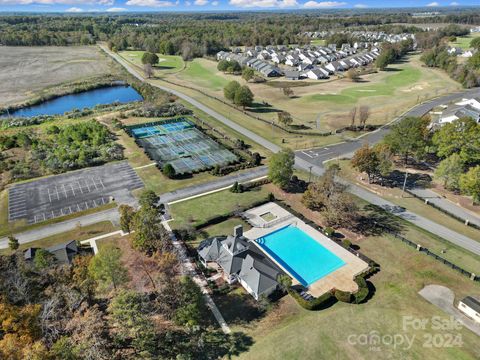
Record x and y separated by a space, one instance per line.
79 6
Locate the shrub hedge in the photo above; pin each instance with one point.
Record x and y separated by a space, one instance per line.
319 303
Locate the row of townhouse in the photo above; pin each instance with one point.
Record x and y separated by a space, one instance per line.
314 62
323 71
460 52
363 36
258 64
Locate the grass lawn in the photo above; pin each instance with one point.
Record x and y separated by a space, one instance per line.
202 75
223 228
168 64
321 42
194 211
291 332
81 233
463 42
154 180
6 227
387 87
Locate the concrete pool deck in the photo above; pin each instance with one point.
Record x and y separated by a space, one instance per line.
341 279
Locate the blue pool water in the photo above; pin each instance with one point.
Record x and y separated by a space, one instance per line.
86 99
302 256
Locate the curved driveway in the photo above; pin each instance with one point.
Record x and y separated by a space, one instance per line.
315 163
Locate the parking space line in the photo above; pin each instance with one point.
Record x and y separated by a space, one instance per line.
65 191
73 191
49 196
44 217
94 183
58 196
78 182
101 182
94 203
86 182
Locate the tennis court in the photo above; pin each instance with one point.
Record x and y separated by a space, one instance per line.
179 143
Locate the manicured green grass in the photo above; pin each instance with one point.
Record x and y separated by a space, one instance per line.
294 333
463 42
321 42
168 64
203 76
351 95
81 233
223 228
197 210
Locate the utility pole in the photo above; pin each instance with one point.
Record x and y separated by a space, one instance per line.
404 182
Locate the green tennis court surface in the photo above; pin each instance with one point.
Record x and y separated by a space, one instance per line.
180 143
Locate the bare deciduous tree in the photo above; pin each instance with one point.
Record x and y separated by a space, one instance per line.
364 114
148 70
352 115
287 91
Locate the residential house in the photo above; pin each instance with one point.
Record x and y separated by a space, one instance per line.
63 253
470 307
292 75
316 74
240 260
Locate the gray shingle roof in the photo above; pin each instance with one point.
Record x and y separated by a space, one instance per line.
472 303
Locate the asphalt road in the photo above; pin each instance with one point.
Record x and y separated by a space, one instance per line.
447 205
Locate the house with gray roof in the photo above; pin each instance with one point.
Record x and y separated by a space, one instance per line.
63 253
241 261
470 306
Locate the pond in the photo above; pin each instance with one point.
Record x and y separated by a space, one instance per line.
86 99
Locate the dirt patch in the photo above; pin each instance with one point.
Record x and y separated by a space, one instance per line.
24 71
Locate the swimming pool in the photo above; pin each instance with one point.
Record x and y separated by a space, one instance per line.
302 256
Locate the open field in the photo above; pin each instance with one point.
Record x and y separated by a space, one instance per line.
195 211
29 72
294 333
81 233
167 64
387 93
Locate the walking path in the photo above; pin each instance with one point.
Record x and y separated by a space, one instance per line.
189 269
92 242
315 163
446 205
444 298
61 227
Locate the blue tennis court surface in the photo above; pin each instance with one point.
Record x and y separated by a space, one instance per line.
181 144
301 255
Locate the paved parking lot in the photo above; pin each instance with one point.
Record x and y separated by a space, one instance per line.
75 191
